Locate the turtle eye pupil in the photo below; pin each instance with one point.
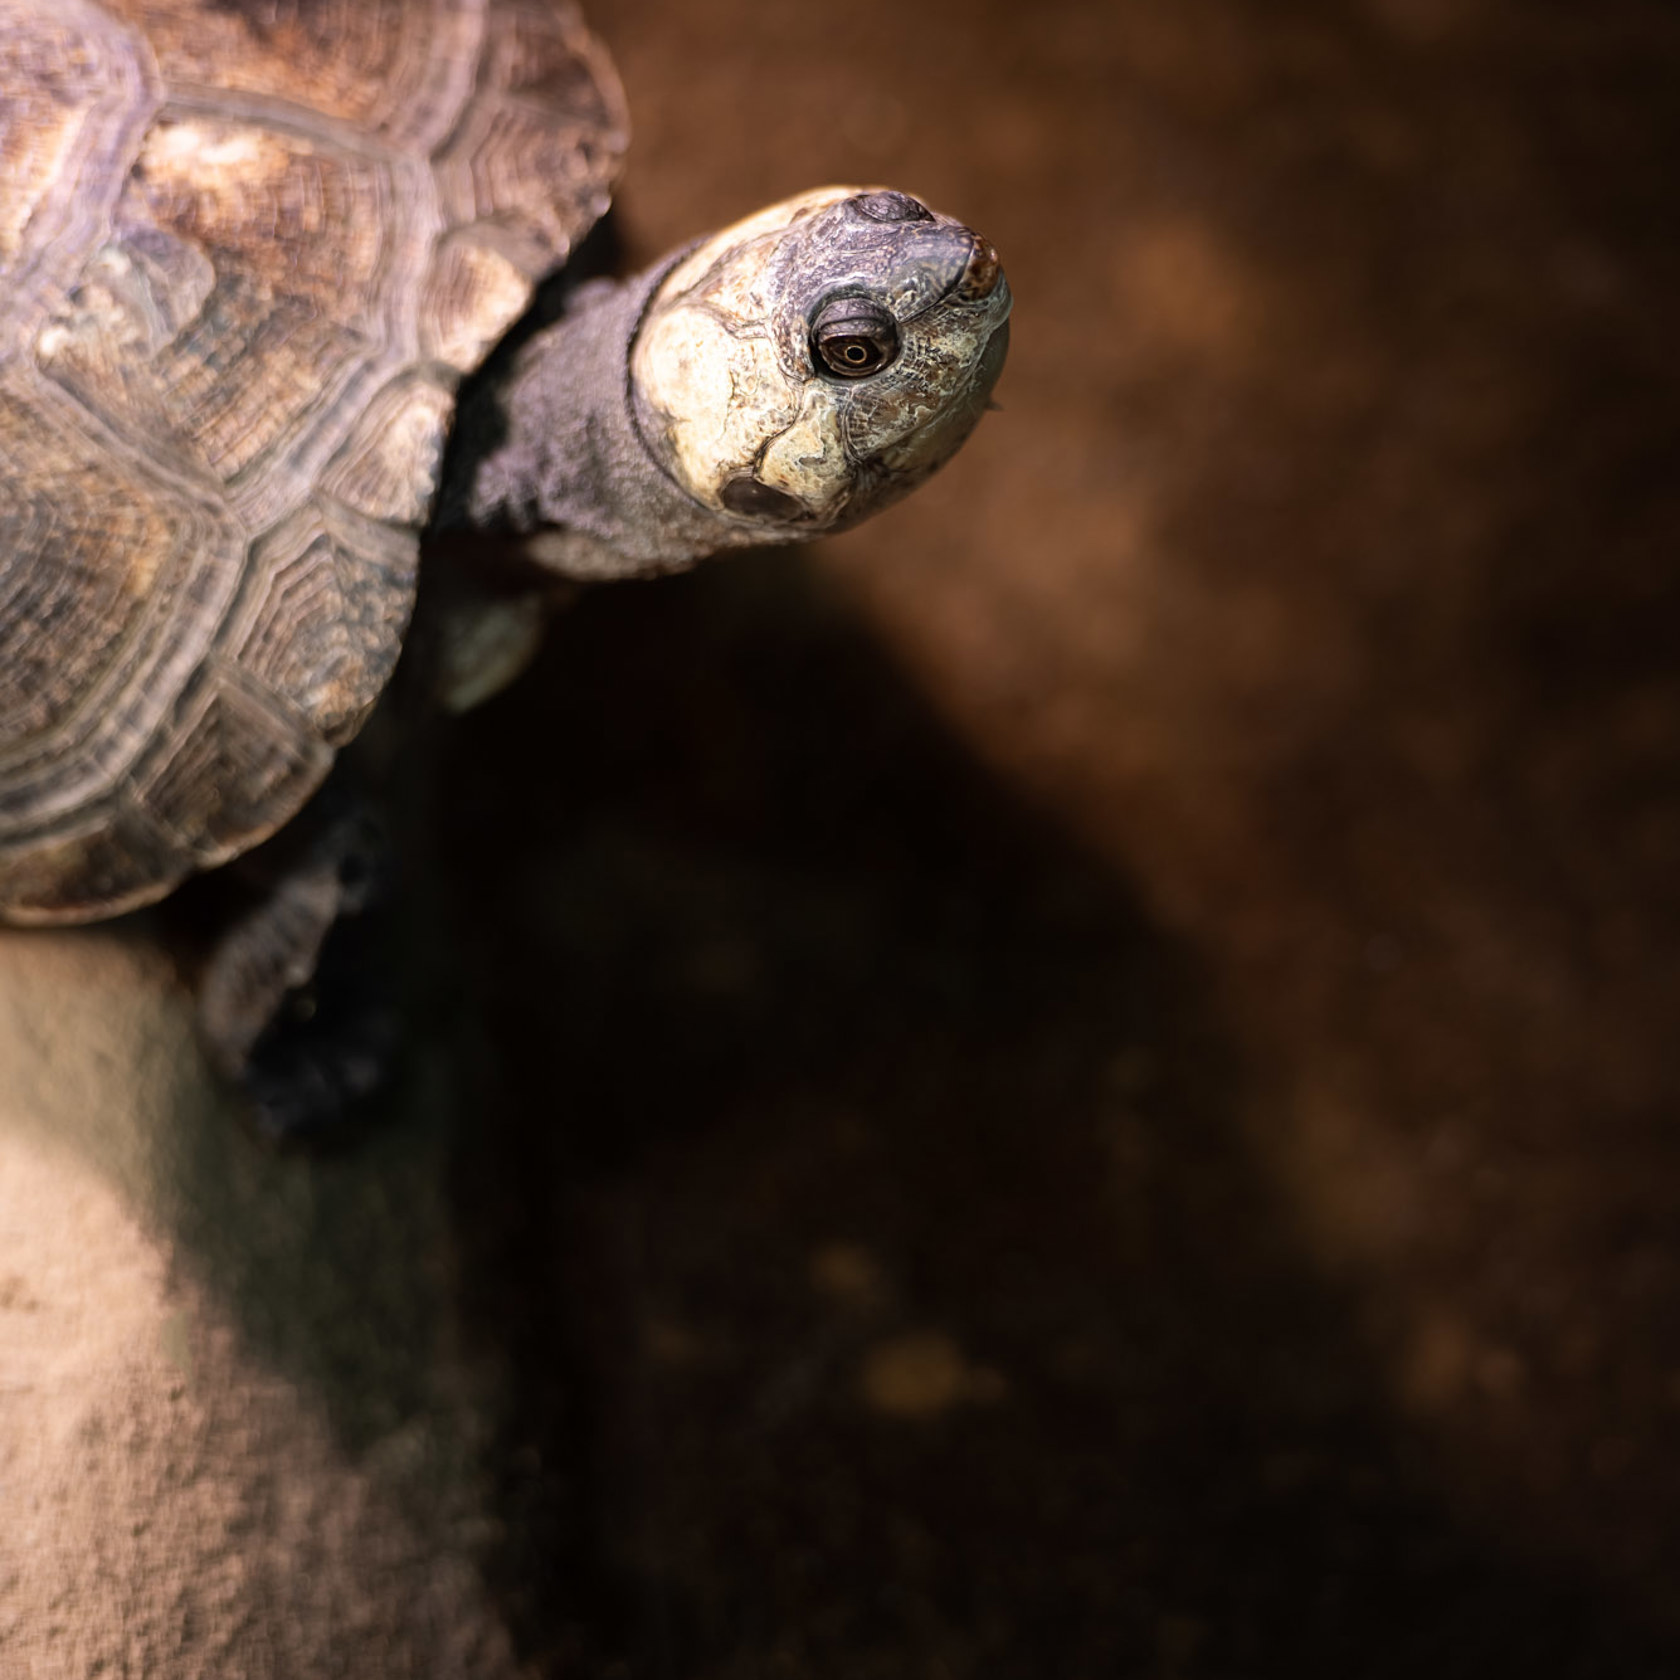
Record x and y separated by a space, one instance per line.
854 336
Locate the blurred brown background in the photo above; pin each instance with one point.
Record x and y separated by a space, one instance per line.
1092 1066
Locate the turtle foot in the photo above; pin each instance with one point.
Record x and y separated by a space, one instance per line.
299 1003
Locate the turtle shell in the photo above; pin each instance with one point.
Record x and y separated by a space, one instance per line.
248 248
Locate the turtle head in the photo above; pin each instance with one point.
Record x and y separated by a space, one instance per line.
802 369
786 377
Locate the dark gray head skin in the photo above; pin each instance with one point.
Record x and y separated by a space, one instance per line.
784 378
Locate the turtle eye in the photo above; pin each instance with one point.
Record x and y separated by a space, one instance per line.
853 337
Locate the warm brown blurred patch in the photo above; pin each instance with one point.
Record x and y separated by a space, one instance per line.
1320 573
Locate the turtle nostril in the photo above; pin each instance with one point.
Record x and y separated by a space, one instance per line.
979 279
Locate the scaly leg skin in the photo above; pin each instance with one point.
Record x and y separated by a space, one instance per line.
299 1001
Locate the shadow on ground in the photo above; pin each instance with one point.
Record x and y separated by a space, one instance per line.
858 1202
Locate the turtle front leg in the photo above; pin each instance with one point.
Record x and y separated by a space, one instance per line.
298 984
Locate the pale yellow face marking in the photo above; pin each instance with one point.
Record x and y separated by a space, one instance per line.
725 393
806 460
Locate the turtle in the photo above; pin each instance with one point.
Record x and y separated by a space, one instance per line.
267 282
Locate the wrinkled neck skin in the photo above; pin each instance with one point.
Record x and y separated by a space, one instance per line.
550 455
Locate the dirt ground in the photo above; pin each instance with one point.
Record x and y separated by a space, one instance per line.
1080 1082
1098 1058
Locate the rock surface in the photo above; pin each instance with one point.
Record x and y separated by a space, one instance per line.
229 1441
